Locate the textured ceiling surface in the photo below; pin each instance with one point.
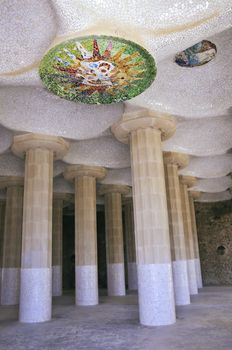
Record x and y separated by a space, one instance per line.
199 97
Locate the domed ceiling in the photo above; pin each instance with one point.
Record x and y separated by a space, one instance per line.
191 43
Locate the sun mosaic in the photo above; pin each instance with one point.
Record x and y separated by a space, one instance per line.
97 70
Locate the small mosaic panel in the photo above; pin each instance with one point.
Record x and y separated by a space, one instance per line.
97 70
196 55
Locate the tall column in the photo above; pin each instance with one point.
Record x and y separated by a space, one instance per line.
85 231
12 239
173 161
130 244
186 181
194 195
36 272
114 238
57 242
155 285
2 224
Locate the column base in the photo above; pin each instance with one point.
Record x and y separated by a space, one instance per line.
132 276
10 286
192 277
198 273
86 285
35 295
56 281
156 295
180 282
116 279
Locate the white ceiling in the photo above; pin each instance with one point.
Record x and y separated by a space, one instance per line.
199 98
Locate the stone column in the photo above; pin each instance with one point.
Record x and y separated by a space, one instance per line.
130 244
12 239
114 238
2 225
85 231
36 272
57 241
173 161
194 195
186 181
144 130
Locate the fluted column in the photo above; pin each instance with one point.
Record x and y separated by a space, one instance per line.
155 285
130 244
173 161
85 231
194 195
2 224
114 238
36 272
186 181
57 241
12 239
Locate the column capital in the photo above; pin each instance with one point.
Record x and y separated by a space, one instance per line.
122 189
195 194
142 120
73 171
66 197
179 159
190 181
23 143
8 181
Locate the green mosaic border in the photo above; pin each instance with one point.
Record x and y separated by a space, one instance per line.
46 70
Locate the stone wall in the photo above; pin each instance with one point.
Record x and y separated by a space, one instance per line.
214 224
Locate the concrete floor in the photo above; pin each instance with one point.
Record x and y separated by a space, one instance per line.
205 324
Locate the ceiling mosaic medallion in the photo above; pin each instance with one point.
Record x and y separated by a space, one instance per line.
97 70
196 55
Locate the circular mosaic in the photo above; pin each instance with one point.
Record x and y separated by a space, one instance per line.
196 55
97 70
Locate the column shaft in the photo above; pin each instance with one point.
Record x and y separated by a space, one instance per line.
155 285
57 243
188 240
195 243
86 241
2 224
130 246
12 246
176 228
114 244
36 276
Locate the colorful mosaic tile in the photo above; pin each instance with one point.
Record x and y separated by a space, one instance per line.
97 70
196 55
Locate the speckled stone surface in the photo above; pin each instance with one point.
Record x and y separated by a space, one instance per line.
198 273
209 167
30 44
113 324
104 151
215 197
10 286
180 282
201 137
60 185
86 285
215 218
132 276
6 137
56 281
214 185
156 295
118 177
192 277
116 280
22 108
35 295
